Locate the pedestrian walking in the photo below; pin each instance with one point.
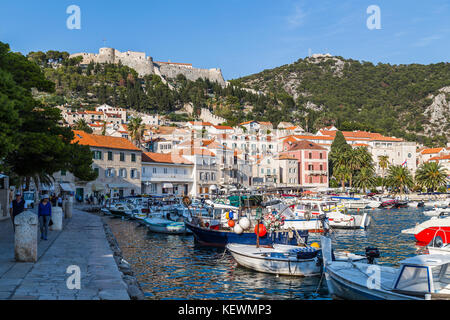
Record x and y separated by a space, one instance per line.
17 207
60 201
45 215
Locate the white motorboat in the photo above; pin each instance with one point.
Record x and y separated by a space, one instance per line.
437 212
160 225
440 249
434 229
311 210
373 204
282 259
422 277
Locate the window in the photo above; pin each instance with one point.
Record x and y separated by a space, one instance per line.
165 170
133 174
123 173
122 157
133 157
97 155
110 172
310 180
213 176
154 170
321 156
201 176
310 155
110 156
321 167
97 171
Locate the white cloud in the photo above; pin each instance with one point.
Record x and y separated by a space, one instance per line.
423 42
297 18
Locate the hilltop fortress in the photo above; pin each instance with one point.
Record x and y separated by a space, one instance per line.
145 65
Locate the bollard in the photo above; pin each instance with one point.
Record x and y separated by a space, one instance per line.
25 237
68 208
57 218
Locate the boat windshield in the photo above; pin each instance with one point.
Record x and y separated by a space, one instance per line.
414 279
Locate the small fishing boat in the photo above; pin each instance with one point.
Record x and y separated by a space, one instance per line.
352 203
283 259
430 230
160 225
215 236
310 211
439 248
437 212
423 277
121 209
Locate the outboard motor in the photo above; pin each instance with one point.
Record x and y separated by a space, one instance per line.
325 223
372 254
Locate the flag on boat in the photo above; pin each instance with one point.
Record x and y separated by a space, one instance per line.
404 163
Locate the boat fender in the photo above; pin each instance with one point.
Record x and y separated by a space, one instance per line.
238 229
244 223
231 223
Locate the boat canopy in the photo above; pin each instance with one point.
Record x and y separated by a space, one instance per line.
429 260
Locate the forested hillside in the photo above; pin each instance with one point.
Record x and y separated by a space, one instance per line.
408 101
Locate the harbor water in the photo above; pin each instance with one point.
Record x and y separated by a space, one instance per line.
174 267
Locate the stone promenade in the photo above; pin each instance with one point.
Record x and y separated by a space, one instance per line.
82 243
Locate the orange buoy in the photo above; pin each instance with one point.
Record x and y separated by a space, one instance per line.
262 230
231 223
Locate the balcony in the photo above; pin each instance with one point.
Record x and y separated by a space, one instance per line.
167 177
316 172
206 167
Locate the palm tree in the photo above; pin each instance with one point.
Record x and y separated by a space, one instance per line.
136 130
365 179
341 173
383 161
399 177
82 125
431 175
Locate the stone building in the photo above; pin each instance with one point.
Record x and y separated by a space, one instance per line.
117 161
146 66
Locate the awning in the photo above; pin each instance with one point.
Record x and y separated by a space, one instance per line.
66 187
167 186
96 187
119 186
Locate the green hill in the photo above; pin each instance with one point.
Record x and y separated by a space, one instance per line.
410 101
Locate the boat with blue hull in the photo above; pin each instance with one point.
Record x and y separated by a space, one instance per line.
220 238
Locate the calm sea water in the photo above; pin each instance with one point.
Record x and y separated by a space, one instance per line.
173 267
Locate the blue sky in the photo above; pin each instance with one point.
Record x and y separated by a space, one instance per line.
241 37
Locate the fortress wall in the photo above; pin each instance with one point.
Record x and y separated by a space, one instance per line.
171 71
145 65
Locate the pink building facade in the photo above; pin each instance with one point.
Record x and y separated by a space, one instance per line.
312 164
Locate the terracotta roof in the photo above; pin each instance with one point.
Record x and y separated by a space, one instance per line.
151 157
360 135
195 151
305 145
223 127
432 150
287 157
360 145
446 157
92 140
203 124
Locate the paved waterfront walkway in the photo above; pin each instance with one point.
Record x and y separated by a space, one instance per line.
82 243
